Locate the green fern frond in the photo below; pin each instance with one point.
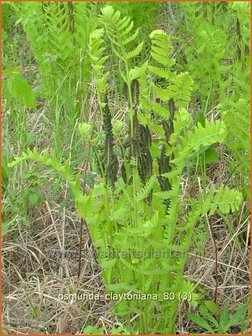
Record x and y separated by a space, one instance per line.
213 132
167 85
181 123
161 53
141 195
225 199
181 87
96 51
51 160
119 32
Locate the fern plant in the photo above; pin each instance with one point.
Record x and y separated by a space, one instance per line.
149 268
235 101
58 34
217 58
143 202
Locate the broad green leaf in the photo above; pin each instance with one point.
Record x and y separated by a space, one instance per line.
224 319
205 313
210 155
90 330
34 197
211 306
20 89
237 317
200 321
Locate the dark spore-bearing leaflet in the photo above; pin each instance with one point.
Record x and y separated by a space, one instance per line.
164 161
141 141
109 160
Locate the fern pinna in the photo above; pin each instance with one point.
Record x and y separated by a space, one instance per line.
142 225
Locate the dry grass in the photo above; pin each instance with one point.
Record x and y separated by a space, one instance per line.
40 266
